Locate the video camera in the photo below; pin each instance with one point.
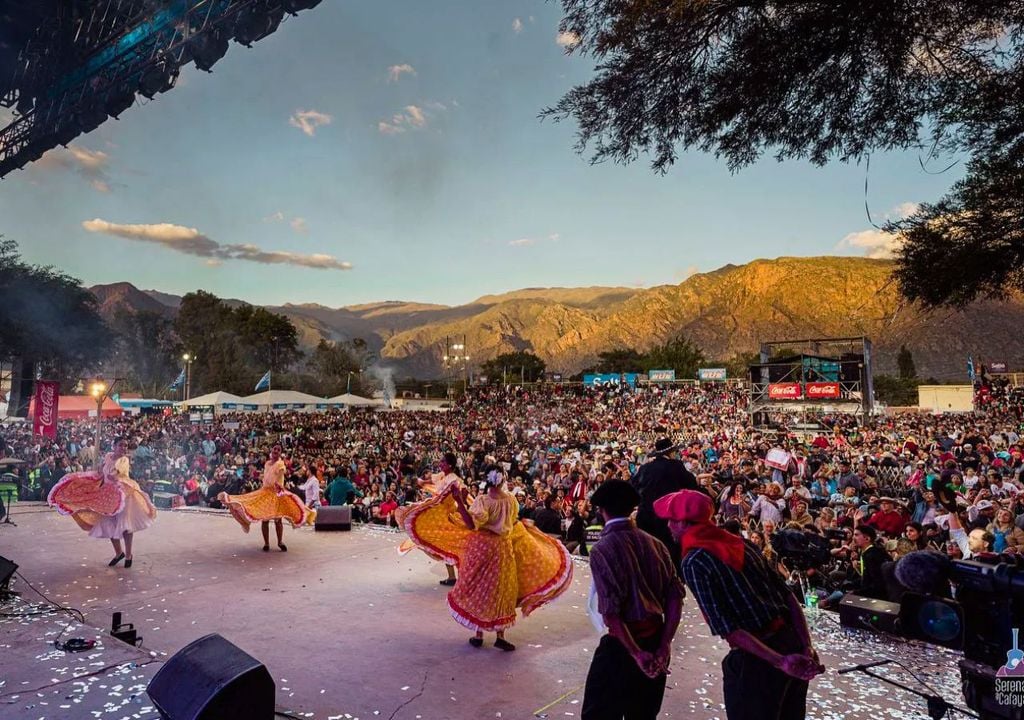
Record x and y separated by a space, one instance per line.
803 549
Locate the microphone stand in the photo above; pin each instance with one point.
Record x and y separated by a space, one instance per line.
937 706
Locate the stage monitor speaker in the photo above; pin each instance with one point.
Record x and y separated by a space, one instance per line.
22 386
212 679
333 517
7 570
869 614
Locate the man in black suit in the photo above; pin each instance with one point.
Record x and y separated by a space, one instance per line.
663 475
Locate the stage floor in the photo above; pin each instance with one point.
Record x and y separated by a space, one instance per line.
350 629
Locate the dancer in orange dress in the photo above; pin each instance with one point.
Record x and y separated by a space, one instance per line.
438 486
270 502
106 503
504 563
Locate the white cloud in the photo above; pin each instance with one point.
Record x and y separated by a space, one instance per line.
299 225
395 72
903 210
522 242
876 244
567 39
276 217
90 164
517 26
411 117
309 120
190 241
554 237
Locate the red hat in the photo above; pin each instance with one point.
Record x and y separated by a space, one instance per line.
685 506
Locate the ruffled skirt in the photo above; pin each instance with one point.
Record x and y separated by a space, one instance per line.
86 498
437 519
138 514
266 504
497 573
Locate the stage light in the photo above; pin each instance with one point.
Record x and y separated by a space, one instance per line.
294 6
208 48
157 79
255 23
118 100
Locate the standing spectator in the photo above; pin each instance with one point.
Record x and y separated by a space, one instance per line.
663 475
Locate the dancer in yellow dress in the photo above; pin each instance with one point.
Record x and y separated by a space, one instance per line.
438 486
106 503
270 502
504 563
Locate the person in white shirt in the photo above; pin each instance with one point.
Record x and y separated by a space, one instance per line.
312 489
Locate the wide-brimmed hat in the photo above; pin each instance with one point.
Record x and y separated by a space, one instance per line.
664 446
616 496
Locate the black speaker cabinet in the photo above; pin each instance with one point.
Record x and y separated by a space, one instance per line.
211 679
868 613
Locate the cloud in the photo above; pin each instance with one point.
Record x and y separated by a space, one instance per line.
90 164
522 242
876 244
299 225
276 217
903 210
309 120
554 237
411 117
190 241
517 26
567 40
395 72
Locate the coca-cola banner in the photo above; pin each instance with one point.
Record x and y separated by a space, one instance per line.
785 391
822 390
45 420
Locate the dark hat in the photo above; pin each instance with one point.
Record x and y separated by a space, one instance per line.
616 496
663 446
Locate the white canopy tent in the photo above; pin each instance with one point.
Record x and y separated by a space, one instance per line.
218 399
282 400
350 400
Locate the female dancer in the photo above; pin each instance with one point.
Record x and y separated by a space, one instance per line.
437 485
106 504
270 502
503 563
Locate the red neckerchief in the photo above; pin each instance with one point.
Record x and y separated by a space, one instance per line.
722 544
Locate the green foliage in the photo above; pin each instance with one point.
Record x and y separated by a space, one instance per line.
678 354
895 391
329 367
47 317
514 366
620 361
824 81
233 347
905 363
148 354
738 366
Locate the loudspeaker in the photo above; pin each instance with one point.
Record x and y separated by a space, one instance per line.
22 385
333 517
7 570
868 613
211 679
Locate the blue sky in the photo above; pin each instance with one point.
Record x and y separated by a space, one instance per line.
402 139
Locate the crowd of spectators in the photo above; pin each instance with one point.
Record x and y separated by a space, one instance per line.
867 487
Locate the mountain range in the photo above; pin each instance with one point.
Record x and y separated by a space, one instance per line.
725 312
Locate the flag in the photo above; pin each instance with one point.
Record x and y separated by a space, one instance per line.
264 383
970 368
178 381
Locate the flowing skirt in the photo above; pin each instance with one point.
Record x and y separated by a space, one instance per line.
266 504
497 573
87 498
138 514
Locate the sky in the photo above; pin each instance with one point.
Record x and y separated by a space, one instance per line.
392 150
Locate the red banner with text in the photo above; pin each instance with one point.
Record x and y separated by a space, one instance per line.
44 421
822 390
785 391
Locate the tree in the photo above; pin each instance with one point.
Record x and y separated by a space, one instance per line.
330 365
894 391
678 354
49 319
905 364
521 365
148 350
620 361
738 366
824 81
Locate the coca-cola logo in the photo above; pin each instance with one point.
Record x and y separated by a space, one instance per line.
46 401
822 390
785 391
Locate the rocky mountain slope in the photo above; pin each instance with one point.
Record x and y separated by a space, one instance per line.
727 311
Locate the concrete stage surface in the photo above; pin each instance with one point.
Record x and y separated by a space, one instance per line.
350 629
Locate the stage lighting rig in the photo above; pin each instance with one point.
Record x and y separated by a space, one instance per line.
80 61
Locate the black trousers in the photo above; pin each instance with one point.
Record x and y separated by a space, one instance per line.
754 690
616 687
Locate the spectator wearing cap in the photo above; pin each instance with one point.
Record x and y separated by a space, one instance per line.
636 594
746 602
848 478
981 514
663 475
888 519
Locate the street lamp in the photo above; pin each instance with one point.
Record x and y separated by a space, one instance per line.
348 384
188 358
99 391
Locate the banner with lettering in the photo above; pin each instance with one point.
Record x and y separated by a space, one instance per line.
47 398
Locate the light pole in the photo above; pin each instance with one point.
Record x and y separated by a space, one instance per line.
188 358
348 384
99 391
